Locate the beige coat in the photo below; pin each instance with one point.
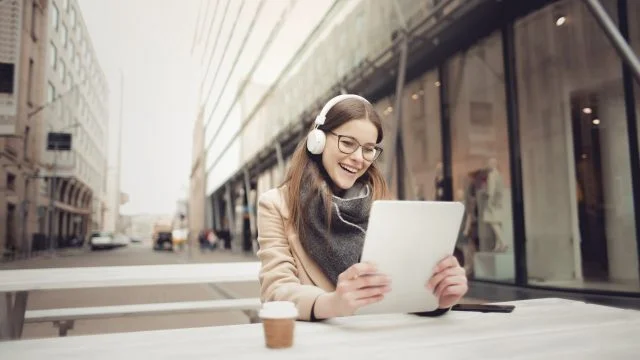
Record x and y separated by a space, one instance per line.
287 272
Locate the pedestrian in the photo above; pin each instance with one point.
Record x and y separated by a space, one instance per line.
212 240
202 240
310 228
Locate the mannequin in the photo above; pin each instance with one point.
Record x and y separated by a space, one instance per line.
439 182
492 214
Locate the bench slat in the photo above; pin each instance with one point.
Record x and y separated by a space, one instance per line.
35 316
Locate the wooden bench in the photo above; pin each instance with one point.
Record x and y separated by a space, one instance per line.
64 318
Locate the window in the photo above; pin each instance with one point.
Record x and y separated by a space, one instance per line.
53 56
7 77
51 92
30 83
11 181
65 4
576 171
64 35
422 138
55 16
72 49
480 158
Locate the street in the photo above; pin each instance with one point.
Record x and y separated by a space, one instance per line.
133 254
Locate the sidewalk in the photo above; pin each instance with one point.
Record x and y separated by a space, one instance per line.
19 262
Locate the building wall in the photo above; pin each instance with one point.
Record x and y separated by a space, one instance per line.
579 218
19 152
336 52
75 81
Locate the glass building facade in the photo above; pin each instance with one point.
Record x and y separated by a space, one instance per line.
530 120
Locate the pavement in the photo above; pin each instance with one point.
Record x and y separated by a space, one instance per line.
133 254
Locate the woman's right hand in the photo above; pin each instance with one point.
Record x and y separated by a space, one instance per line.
359 285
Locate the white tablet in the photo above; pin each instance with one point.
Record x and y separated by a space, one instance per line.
407 239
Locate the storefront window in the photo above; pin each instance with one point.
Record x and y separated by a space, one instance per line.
421 137
480 158
579 215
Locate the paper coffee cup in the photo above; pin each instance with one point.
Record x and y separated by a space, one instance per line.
278 322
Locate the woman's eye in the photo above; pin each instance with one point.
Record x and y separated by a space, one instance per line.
348 143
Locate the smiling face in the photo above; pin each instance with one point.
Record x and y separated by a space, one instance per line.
345 169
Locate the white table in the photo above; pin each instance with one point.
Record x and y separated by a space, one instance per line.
15 285
537 329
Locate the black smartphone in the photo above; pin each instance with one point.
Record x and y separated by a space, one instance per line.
485 308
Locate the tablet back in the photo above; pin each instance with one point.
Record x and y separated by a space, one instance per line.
406 239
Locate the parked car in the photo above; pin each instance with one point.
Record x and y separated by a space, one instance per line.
102 240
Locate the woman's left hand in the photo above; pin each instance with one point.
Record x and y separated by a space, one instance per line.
448 283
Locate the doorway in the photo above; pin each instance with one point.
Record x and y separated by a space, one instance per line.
590 195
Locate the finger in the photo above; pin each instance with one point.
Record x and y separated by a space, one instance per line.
455 290
357 270
366 301
438 277
371 280
449 281
370 292
448 262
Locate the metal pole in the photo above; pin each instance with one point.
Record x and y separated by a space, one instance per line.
250 205
230 212
116 210
613 33
397 124
53 184
247 187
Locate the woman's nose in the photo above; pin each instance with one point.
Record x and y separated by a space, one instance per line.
358 155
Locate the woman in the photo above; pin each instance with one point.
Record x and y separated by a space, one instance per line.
311 229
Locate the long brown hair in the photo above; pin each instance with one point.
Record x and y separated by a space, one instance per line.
304 163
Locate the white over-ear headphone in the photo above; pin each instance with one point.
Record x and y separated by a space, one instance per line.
317 138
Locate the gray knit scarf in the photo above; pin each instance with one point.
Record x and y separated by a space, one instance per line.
335 248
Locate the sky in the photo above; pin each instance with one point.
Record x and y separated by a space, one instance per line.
150 42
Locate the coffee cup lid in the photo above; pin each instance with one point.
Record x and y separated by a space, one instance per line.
279 310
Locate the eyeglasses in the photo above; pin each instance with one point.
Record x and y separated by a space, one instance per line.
349 145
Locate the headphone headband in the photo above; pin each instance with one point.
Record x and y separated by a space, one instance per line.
323 113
